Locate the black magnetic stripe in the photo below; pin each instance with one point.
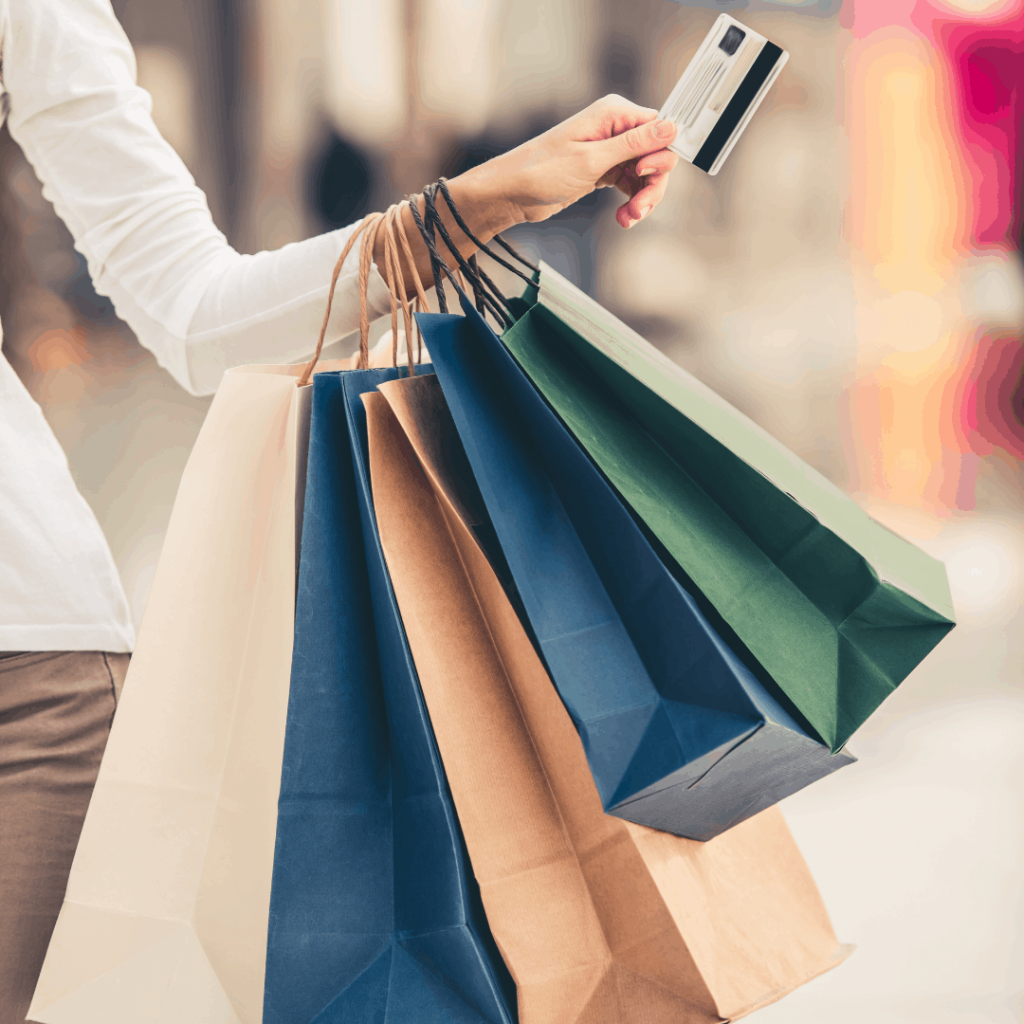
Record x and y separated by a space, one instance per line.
733 113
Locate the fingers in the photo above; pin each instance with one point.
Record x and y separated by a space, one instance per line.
644 201
615 143
618 115
661 162
636 143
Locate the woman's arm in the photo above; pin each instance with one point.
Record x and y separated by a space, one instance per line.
137 215
146 231
611 143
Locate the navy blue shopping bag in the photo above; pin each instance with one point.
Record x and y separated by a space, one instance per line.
374 914
679 734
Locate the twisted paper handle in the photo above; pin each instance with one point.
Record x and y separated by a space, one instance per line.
487 296
392 224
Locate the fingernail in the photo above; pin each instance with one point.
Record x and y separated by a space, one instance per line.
647 170
664 129
644 210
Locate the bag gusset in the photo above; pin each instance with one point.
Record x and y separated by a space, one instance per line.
600 920
679 734
374 914
836 609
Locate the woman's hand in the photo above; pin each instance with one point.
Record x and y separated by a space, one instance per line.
612 142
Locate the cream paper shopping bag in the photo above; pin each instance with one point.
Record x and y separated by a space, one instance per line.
600 921
165 916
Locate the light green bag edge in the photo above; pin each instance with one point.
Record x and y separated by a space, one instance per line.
897 563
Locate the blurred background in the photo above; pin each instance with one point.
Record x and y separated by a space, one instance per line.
852 280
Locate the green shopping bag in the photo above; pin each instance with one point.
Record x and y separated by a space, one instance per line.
812 592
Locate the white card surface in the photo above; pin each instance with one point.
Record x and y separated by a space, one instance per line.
719 91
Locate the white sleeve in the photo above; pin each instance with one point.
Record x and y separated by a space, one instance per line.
138 217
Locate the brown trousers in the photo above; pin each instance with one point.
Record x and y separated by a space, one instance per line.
55 714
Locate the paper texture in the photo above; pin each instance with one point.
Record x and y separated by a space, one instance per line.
599 920
679 733
834 607
165 918
374 913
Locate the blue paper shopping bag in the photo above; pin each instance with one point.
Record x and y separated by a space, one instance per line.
679 734
374 916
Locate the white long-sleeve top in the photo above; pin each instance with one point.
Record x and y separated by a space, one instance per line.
72 104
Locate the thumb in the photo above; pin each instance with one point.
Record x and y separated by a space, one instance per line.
637 142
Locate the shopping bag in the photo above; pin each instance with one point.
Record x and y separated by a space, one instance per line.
833 606
165 917
599 920
679 734
374 913
168 907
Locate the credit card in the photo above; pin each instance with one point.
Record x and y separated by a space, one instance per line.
719 91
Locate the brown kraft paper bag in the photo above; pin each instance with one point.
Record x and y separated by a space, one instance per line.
598 919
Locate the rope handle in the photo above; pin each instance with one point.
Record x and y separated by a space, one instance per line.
392 224
487 296
442 185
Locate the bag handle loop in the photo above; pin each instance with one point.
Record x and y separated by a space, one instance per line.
488 297
392 224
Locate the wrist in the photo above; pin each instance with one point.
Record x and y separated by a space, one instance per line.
482 196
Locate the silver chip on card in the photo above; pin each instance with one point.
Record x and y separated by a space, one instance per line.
719 91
